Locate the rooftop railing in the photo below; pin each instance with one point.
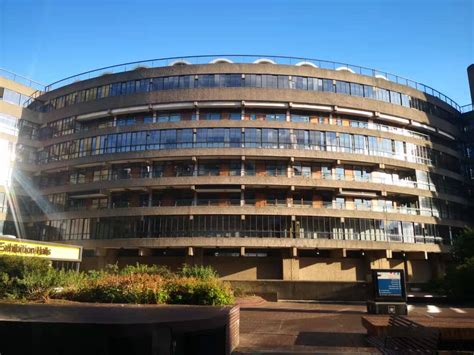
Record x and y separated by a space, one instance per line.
22 79
467 108
242 59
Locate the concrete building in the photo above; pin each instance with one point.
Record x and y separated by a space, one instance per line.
14 92
265 168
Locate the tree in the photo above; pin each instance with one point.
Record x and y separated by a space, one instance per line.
459 279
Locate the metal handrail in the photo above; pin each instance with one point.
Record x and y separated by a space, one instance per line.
21 79
467 108
250 58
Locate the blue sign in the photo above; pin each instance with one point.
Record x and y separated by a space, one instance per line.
389 283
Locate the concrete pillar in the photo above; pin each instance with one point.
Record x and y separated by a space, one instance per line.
150 198
194 256
338 253
438 267
376 259
105 257
290 264
145 252
470 75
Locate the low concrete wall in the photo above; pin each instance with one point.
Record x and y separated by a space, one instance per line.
304 290
116 329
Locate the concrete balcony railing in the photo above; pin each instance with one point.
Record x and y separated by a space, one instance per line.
259 204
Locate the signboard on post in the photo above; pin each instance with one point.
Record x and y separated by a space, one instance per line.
389 285
388 293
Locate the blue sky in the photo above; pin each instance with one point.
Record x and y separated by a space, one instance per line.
427 41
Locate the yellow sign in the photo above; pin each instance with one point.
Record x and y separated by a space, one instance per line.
50 251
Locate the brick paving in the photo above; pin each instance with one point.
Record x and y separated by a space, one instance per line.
309 328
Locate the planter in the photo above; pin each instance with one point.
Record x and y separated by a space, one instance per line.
85 328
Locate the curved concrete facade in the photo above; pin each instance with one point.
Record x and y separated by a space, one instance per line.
273 163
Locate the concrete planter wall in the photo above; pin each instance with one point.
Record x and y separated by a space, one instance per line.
304 290
118 329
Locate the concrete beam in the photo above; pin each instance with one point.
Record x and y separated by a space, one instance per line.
338 253
145 252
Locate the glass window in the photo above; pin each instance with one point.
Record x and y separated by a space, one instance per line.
168 139
299 118
253 137
345 142
269 138
343 87
382 94
328 85
331 141
395 98
357 89
284 139
317 140
369 92
339 173
360 145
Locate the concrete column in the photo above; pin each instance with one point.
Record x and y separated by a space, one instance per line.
150 198
194 256
290 264
376 259
438 267
145 252
106 256
470 75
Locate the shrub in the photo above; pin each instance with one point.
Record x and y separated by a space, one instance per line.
198 271
146 269
132 288
17 266
459 280
210 291
34 279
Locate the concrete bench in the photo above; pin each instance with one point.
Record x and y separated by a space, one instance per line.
403 335
451 330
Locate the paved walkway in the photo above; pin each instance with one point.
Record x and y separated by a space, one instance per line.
308 328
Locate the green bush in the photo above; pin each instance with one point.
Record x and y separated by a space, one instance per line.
459 280
33 279
132 288
210 291
198 272
146 269
17 266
